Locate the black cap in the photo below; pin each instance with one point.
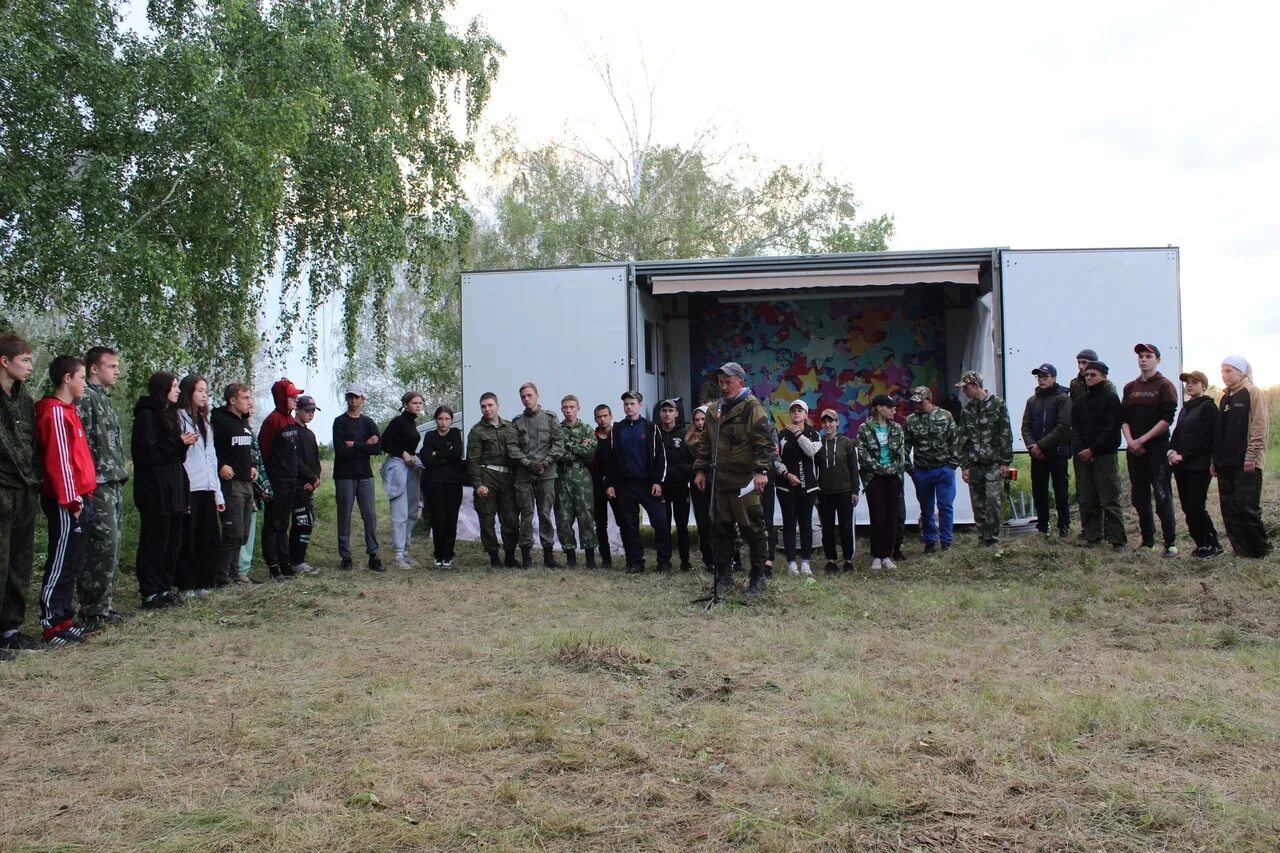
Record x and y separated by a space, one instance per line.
1045 369
1087 355
1151 348
1100 366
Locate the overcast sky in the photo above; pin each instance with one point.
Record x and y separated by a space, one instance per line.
1021 124
986 124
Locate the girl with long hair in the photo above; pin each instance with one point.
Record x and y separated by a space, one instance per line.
197 570
160 489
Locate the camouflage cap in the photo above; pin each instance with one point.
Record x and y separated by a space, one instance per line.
970 376
920 393
633 395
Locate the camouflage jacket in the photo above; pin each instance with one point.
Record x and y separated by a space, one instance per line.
262 490
536 440
986 437
746 448
102 429
18 468
579 444
931 439
869 451
487 445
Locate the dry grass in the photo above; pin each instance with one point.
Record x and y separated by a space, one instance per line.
1059 699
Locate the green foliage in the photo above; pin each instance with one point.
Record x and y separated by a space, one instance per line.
155 182
558 204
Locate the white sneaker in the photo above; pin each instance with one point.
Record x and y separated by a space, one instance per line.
876 564
888 563
402 562
792 568
805 569
306 569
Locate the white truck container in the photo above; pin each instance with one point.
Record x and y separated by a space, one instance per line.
834 330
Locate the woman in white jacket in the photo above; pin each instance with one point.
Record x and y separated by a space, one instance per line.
197 567
798 444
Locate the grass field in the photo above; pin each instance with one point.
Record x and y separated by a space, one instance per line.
1059 699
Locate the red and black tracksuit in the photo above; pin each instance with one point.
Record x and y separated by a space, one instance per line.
66 496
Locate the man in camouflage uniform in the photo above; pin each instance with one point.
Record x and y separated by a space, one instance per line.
19 494
536 446
574 495
495 487
740 449
106 444
931 460
985 454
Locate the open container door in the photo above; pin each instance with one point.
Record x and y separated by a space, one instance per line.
1055 303
565 330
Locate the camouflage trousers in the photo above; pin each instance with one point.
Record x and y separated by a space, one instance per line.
18 509
501 501
102 550
575 500
734 514
985 488
540 496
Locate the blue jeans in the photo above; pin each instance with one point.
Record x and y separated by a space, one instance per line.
935 485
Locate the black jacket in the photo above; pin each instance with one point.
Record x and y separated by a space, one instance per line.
233 442
652 452
797 461
1193 433
1095 421
441 457
308 456
679 458
1046 420
160 485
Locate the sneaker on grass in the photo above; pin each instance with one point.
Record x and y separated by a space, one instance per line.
876 564
1170 551
63 639
306 569
19 642
806 569
792 568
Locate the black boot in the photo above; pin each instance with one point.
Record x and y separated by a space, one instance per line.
510 562
526 557
494 562
570 557
591 559
724 582
549 557
606 559
757 583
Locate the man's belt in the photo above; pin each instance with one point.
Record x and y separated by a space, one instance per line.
501 469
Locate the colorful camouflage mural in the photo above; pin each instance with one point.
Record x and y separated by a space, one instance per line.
836 353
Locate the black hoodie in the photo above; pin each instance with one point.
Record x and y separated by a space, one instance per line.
160 485
233 441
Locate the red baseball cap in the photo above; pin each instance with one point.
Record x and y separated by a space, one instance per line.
286 387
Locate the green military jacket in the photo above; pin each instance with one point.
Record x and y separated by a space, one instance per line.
1078 388
579 444
745 446
18 468
986 437
869 451
487 445
536 439
102 429
931 439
